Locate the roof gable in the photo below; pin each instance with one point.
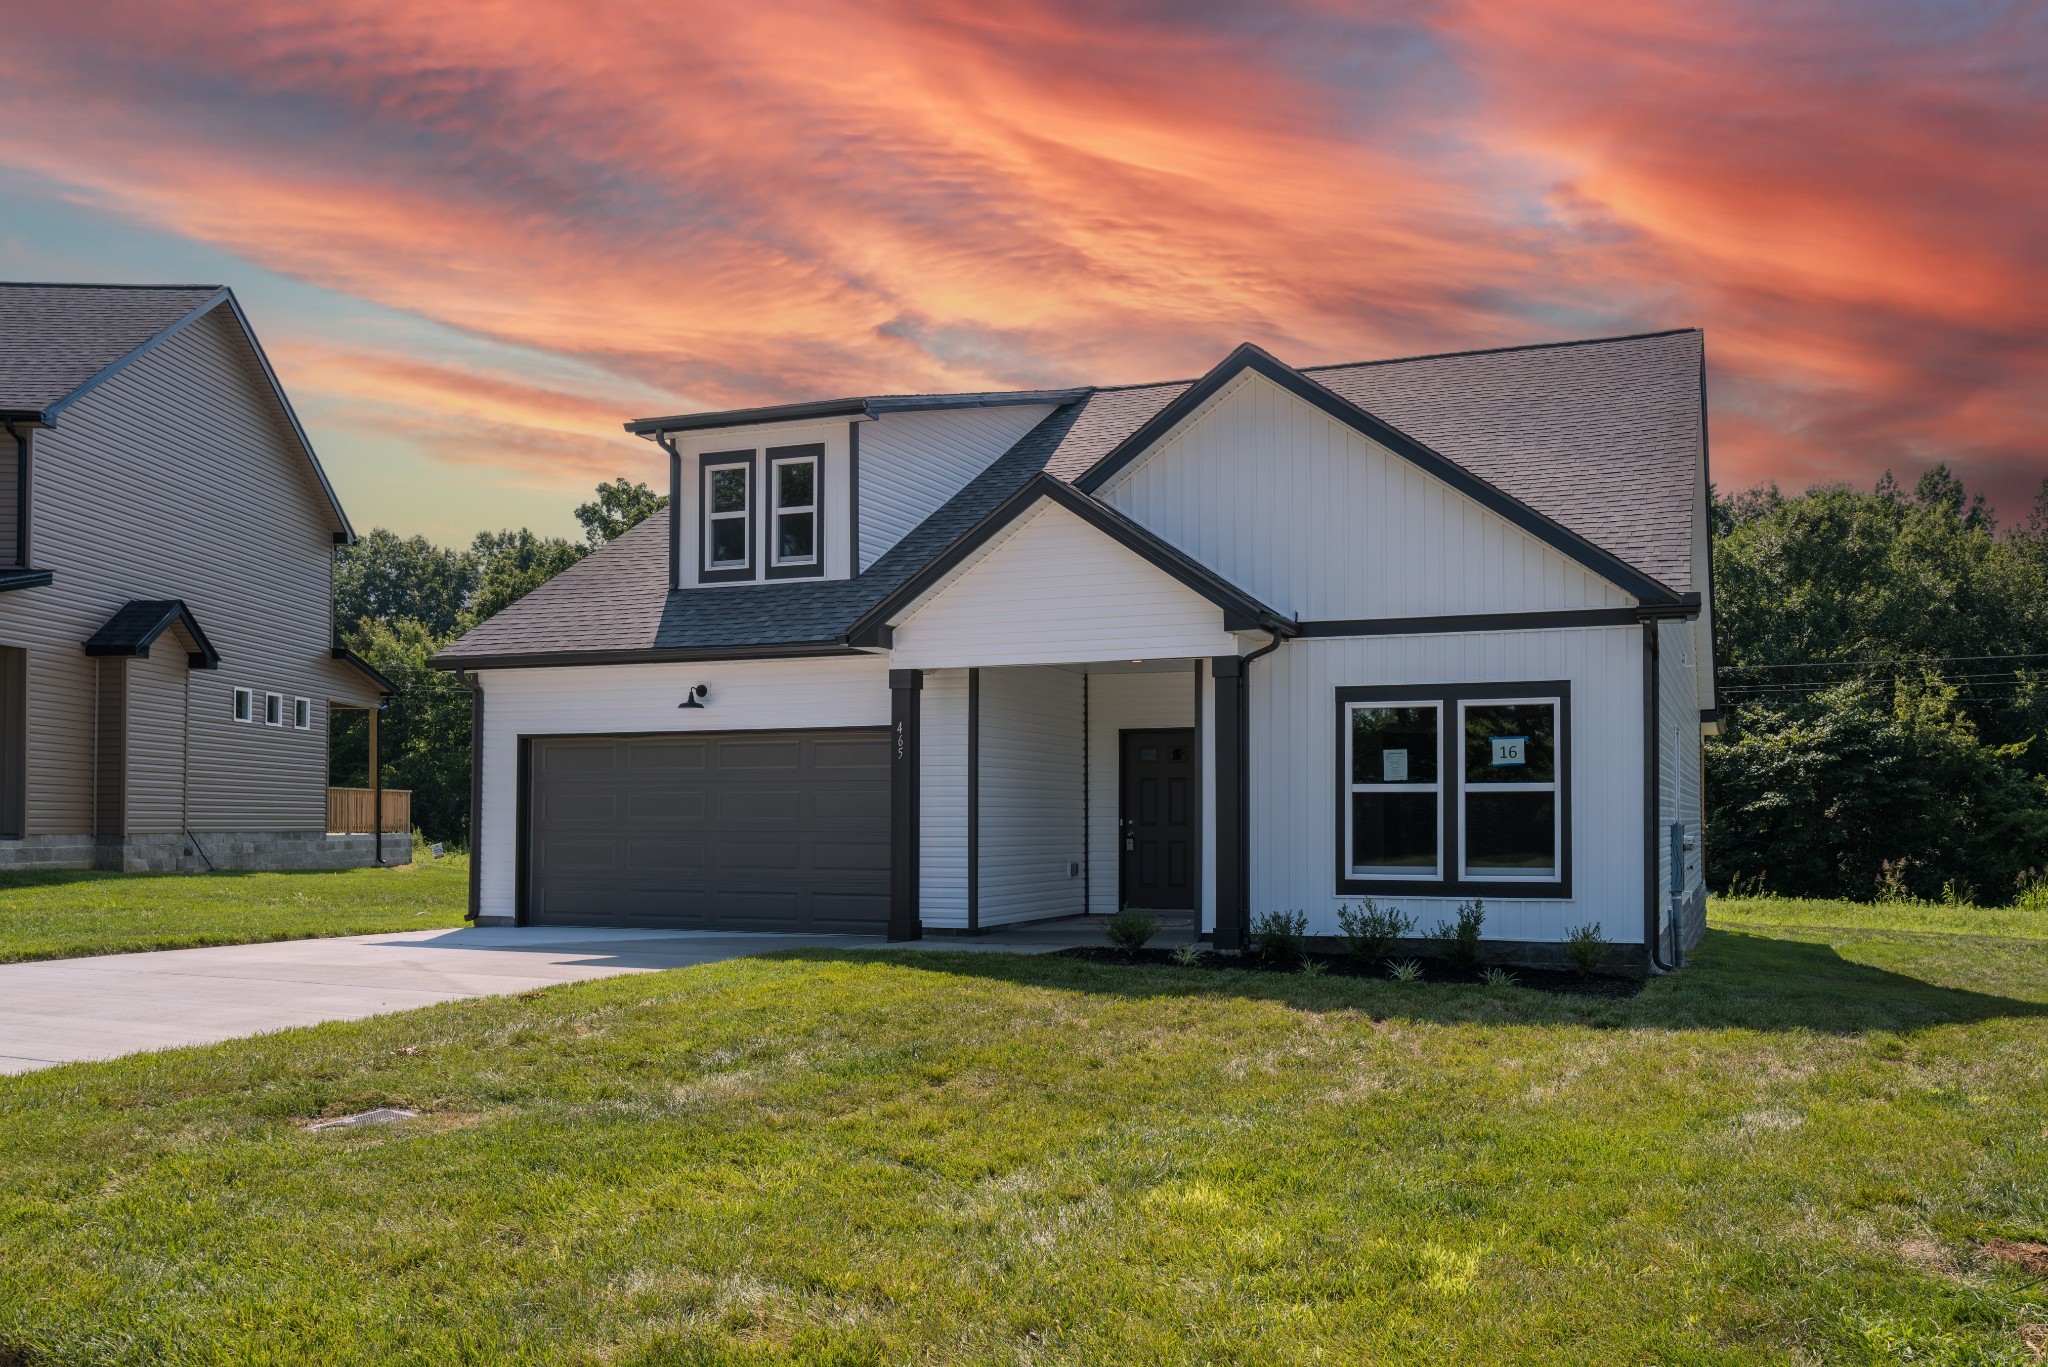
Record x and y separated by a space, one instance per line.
1161 425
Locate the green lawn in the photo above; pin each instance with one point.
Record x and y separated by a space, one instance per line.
1797 1151
61 915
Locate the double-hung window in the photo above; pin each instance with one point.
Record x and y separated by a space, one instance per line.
728 502
1454 789
793 480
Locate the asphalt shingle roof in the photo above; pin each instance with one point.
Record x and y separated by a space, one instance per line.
53 338
1599 436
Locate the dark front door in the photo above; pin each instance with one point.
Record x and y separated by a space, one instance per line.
711 830
1158 820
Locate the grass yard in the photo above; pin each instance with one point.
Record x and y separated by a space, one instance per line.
1826 1142
66 914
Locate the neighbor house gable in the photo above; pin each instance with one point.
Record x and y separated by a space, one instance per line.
1314 503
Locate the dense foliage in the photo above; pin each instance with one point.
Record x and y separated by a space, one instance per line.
1884 674
398 600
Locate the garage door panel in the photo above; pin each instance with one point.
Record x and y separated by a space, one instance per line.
712 830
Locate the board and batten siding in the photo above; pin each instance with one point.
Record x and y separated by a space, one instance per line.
833 524
1318 522
1030 799
1053 590
1119 703
633 699
1294 747
179 478
912 463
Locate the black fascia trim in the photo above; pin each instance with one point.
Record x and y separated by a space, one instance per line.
1249 357
974 797
24 579
745 574
1710 714
1683 609
1479 621
872 406
1237 605
675 504
905 804
24 490
701 655
1707 497
853 499
813 451
1451 790
367 670
137 644
522 843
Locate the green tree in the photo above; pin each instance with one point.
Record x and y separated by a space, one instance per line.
392 578
619 506
510 565
423 735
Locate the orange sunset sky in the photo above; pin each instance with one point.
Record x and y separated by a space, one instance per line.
477 237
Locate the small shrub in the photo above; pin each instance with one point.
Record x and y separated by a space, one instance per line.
1406 971
1891 884
2031 892
1129 930
1586 947
1279 935
1459 944
1497 977
1188 955
1954 894
1312 968
1371 932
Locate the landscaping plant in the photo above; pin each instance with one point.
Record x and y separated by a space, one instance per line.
1497 977
1459 944
1372 932
1279 935
1406 971
1586 947
1129 930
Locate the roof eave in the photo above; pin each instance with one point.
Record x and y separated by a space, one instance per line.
648 655
871 407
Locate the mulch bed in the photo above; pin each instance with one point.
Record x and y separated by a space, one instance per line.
1557 982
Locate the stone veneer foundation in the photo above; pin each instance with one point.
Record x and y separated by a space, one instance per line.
203 852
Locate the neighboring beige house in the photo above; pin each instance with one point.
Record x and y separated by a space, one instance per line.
167 657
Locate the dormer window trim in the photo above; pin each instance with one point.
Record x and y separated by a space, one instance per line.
788 519
729 569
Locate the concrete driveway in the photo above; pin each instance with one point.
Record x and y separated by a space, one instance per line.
67 1010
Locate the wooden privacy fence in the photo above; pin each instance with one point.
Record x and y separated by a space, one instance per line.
351 811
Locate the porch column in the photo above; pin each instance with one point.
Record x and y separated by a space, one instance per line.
905 686
1233 807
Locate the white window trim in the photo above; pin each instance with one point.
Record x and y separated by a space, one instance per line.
243 707
746 561
1435 873
273 702
777 509
302 707
1555 787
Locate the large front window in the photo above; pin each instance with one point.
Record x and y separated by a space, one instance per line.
1454 789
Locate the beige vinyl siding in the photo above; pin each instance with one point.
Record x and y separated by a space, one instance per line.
156 738
110 747
179 478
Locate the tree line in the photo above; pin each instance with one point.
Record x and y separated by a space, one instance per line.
1883 681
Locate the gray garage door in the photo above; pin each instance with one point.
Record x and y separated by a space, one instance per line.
734 830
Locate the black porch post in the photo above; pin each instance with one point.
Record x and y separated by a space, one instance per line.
1233 827
905 686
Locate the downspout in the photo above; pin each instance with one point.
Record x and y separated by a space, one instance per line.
1653 892
476 789
675 509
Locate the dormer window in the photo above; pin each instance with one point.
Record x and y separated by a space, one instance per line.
728 516
793 515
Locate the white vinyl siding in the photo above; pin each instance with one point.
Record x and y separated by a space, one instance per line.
942 805
1678 751
912 463
630 699
1054 590
1119 703
1319 523
1031 785
1293 745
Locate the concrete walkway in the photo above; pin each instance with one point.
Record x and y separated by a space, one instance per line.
67 1010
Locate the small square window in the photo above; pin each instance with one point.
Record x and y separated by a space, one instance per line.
245 708
302 713
273 709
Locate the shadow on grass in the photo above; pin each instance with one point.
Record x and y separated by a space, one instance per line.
1737 981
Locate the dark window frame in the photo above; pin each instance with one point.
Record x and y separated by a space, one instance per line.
731 574
1451 790
814 452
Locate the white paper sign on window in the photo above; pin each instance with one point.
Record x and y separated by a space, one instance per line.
1393 766
1510 750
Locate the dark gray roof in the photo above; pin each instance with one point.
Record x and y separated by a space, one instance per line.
137 623
1601 436
54 339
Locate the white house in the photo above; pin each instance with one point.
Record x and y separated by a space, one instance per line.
1427 630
